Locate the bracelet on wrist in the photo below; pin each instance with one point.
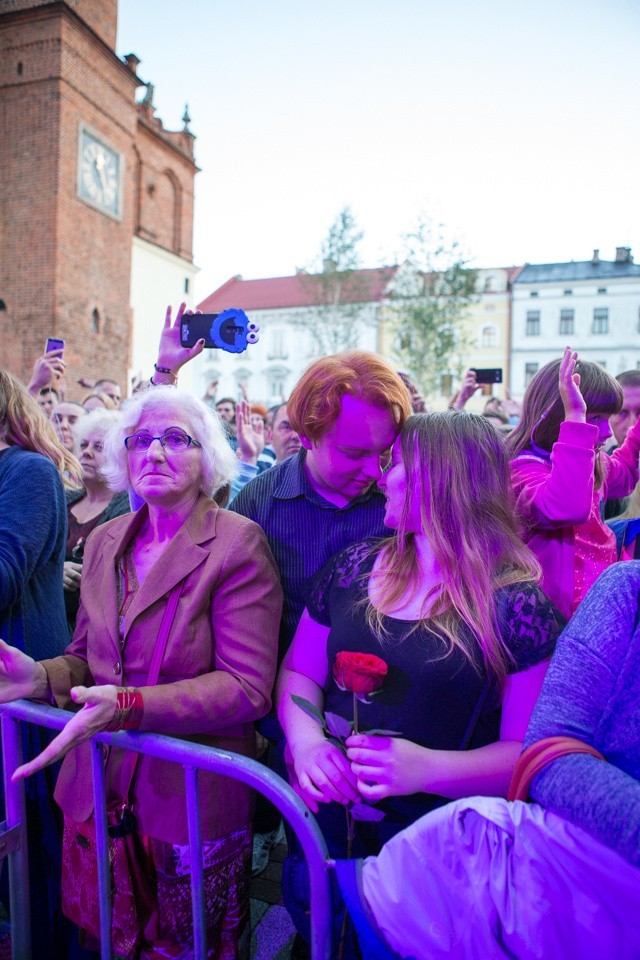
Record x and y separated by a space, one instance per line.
164 370
129 709
173 382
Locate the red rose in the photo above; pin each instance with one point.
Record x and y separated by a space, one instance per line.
360 673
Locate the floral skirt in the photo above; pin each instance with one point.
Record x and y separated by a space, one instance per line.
168 929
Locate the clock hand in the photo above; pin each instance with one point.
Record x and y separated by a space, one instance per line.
100 162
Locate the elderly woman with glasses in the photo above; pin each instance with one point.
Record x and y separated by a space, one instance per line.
216 673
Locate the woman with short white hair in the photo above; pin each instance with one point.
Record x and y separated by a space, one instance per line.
201 581
91 505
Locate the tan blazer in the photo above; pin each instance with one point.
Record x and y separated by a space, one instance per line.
217 673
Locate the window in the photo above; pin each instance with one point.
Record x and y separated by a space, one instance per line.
489 336
186 284
276 386
534 293
568 293
446 385
566 323
95 321
530 370
602 289
600 320
278 345
533 323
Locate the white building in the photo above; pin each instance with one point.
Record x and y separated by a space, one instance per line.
158 278
283 307
592 306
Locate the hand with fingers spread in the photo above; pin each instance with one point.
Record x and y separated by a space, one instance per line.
323 775
171 354
99 708
250 436
71 575
387 766
575 407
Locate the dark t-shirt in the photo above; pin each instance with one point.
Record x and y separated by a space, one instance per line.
427 696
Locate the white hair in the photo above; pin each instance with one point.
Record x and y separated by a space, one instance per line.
99 420
219 462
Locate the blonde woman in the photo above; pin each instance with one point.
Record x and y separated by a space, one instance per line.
451 605
34 469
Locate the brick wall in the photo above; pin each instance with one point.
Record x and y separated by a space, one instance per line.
63 262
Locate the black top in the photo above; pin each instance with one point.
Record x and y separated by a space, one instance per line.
304 529
427 696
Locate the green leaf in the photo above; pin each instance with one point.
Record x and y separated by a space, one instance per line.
309 709
338 726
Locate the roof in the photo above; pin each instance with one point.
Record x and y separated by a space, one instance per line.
296 291
577 270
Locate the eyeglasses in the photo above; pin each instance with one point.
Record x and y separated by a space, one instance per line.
139 442
98 445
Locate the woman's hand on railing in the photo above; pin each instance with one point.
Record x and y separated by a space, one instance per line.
18 674
100 704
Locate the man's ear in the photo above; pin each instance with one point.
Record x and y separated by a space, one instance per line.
306 443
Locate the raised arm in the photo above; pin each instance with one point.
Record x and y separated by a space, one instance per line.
171 354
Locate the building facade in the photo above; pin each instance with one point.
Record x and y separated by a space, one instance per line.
296 327
85 170
592 306
289 314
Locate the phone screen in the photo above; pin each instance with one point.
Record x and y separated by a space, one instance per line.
488 374
53 344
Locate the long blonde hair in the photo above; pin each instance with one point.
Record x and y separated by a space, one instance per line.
23 424
458 472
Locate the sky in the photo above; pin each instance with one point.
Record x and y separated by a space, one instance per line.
514 124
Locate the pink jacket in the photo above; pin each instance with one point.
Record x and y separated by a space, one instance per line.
554 496
217 672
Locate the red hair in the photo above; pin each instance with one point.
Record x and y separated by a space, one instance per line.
315 403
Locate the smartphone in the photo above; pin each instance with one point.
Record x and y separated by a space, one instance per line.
53 344
488 374
230 330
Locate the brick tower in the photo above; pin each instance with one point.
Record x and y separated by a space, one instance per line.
79 161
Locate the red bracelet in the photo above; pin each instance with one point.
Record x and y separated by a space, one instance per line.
129 710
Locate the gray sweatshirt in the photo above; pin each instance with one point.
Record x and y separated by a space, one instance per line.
592 691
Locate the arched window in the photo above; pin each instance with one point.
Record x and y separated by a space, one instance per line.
489 335
95 321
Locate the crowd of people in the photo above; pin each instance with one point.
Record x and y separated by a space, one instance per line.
205 568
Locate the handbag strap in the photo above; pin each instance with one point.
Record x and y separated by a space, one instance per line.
537 756
132 757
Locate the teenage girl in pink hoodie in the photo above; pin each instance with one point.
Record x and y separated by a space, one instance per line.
560 473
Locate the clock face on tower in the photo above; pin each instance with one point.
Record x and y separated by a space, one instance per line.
100 170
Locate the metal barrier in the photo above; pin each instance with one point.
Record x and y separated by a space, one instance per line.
193 757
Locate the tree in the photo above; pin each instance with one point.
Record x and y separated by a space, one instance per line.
431 293
338 289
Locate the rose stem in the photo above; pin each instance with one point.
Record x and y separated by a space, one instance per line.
355 713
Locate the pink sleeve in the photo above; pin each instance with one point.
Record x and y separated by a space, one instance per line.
559 492
622 465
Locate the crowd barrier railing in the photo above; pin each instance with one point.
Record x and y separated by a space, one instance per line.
193 757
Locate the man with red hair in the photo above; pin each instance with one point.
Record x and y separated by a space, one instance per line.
347 409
